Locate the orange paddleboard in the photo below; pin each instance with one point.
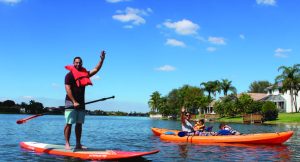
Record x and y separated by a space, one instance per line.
87 154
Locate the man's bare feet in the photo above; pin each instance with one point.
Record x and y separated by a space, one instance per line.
67 146
81 147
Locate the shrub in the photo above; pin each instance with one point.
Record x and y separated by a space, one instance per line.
244 103
269 111
255 107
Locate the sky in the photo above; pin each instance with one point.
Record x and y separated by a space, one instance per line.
151 45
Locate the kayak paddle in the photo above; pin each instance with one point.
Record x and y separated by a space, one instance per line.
21 121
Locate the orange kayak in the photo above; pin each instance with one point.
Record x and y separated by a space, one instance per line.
159 131
259 138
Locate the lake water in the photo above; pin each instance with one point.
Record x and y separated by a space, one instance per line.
134 134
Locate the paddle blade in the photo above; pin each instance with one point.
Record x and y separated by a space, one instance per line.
21 121
181 134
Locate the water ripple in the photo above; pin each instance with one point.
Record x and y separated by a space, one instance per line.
134 134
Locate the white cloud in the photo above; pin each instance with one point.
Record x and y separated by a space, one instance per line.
116 1
216 40
183 27
266 2
282 53
55 85
27 97
174 42
10 1
96 77
132 15
166 68
242 36
3 99
128 26
281 50
211 49
200 38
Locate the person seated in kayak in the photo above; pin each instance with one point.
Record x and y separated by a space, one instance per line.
186 122
199 126
227 130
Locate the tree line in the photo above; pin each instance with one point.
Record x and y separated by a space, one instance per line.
196 99
33 107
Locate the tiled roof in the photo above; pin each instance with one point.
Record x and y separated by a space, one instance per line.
212 103
274 98
255 96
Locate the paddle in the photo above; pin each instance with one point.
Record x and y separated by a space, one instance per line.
21 121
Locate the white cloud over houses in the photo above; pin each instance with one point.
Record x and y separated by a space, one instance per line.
116 1
176 43
217 40
182 27
133 16
166 68
211 49
266 2
10 1
282 53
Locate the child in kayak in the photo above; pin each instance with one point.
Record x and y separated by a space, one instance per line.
199 127
227 130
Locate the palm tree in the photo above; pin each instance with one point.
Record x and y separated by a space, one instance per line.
297 89
216 87
226 86
207 87
290 80
211 87
154 101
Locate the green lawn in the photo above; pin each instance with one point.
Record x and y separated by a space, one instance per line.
286 118
282 118
231 120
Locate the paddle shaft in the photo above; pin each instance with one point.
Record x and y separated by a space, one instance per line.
21 121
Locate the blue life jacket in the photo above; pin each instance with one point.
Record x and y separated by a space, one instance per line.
224 132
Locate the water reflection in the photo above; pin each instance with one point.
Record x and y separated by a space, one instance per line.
183 150
234 152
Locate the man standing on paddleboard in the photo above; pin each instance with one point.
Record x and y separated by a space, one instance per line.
75 82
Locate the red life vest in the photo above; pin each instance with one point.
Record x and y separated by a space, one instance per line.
81 77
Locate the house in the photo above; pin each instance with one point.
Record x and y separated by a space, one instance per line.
210 108
282 99
156 116
22 110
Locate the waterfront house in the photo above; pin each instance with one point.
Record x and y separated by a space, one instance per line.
282 99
